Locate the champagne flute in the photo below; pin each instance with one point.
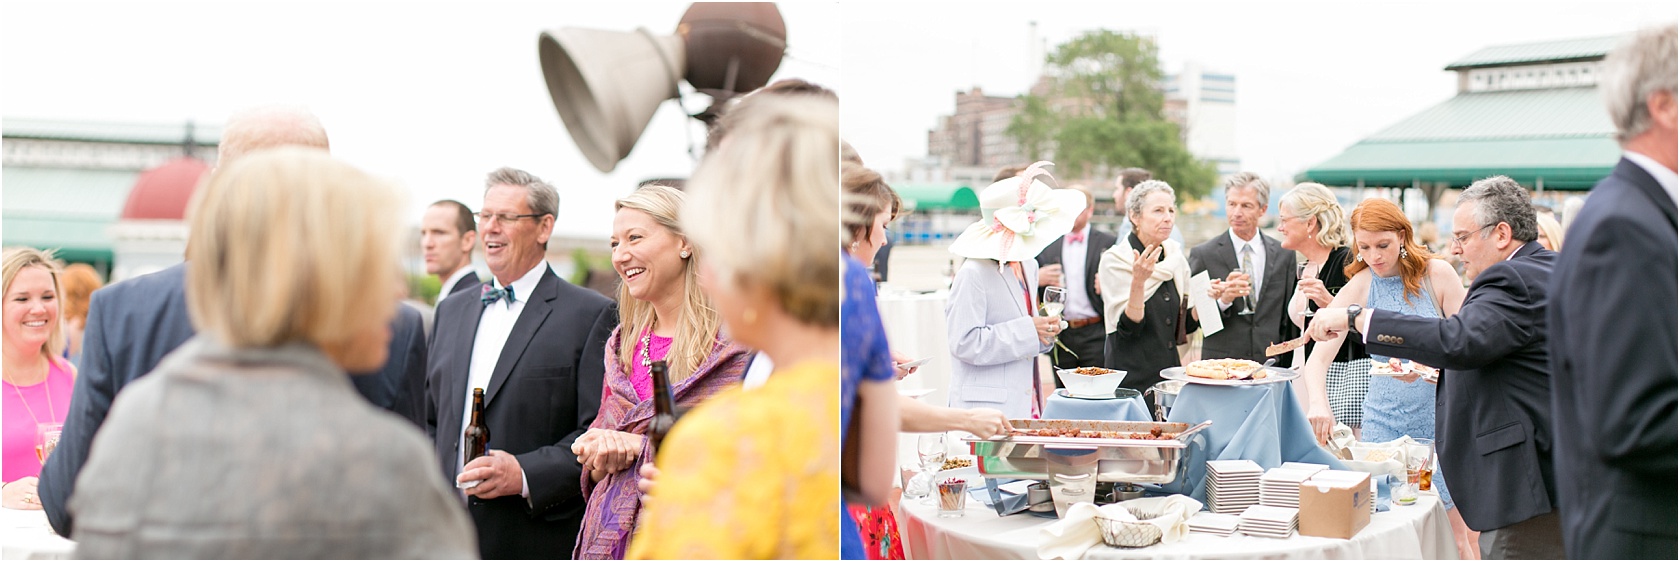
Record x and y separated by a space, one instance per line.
1248 299
1055 300
930 449
1301 270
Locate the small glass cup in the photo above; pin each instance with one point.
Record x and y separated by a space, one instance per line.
1405 492
1421 460
46 439
953 497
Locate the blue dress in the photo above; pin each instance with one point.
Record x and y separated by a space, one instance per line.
864 357
1393 408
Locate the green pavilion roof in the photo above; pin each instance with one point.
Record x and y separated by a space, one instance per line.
1551 138
938 196
1567 50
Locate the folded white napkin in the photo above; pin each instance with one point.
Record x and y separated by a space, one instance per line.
1077 532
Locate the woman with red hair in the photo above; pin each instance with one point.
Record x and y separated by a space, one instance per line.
1391 271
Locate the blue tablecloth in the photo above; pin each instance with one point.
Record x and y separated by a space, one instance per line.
1262 423
1058 407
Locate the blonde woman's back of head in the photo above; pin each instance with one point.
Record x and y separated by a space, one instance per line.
290 245
765 206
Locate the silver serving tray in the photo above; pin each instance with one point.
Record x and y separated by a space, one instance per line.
1114 460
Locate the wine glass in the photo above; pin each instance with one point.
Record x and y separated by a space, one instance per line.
1248 299
930 449
1301 270
1055 300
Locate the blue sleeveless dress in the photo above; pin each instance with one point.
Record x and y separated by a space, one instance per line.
1392 408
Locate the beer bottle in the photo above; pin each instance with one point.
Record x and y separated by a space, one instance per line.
664 412
477 435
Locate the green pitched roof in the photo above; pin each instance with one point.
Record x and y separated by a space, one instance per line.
1559 138
938 196
1589 48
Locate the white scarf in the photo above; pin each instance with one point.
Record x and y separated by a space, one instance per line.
1115 276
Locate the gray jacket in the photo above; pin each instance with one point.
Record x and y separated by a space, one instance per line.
992 338
260 453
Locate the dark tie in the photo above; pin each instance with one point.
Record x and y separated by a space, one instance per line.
492 294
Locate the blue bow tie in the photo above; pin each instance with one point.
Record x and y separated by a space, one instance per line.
491 295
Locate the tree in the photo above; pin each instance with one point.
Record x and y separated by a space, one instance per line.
1102 111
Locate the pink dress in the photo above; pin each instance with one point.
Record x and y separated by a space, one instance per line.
17 444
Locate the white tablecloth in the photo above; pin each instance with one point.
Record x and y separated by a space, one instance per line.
25 535
1418 531
915 326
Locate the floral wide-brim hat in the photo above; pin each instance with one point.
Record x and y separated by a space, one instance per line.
1019 216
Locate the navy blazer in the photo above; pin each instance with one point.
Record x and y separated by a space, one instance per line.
1493 412
1096 243
1246 336
1613 389
133 324
542 395
468 281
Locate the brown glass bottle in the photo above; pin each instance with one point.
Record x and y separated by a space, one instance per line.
477 436
664 412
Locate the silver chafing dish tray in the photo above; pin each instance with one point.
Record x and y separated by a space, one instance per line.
1073 465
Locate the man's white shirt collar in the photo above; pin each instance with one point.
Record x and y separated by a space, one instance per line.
523 286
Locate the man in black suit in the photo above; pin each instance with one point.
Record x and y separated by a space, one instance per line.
133 324
535 344
1493 414
447 236
1071 263
1613 328
1251 305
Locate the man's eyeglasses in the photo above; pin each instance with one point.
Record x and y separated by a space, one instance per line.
484 218
1459 240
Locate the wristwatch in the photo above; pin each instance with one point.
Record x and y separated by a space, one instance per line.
1353 315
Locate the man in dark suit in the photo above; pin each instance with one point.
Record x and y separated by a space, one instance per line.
1493 414
133 324
1252 305
1613 326
447 236
1071 263
535 344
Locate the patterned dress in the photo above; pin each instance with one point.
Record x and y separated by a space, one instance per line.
1394 408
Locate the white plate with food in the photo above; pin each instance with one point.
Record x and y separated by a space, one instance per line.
1228 372
1401 368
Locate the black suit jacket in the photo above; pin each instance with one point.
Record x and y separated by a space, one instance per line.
468 281
542 395
1493 412
1613 336
1096 243
1246 336
133 324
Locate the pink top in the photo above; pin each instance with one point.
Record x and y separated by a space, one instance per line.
642 377
17 444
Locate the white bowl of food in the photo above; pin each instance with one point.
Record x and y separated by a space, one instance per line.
1091 382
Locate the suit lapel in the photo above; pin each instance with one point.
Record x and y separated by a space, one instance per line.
536 311
1093 257
1643 183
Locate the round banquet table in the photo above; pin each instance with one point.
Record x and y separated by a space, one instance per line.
1417 531
915 324
25 535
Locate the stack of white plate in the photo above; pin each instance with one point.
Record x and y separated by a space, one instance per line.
1232 485
1281 487
1214 524
1269 522
1310 466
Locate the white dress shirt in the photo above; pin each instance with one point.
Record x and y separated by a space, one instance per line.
1259 259
1074 276
494 327
1665 177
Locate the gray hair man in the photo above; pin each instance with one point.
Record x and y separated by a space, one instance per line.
1493 419
1253 275
1613 325
536 345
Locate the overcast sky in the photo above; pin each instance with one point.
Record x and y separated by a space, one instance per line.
1312 77
431 94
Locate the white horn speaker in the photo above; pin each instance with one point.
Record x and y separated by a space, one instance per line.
607 84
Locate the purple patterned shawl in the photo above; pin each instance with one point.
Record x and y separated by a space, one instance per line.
614 503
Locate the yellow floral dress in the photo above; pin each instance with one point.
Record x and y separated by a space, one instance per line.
751 475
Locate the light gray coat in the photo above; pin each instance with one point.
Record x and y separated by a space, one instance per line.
992 338
260 453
